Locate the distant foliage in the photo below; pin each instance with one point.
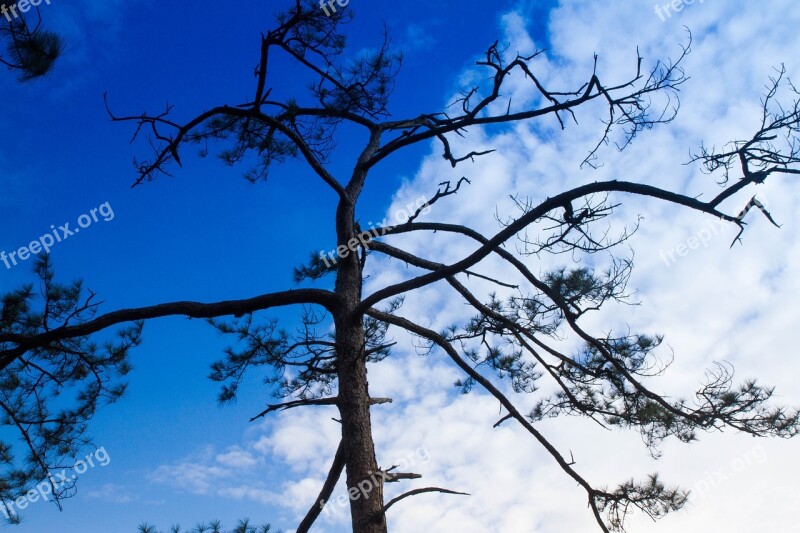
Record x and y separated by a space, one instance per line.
31 51
215 526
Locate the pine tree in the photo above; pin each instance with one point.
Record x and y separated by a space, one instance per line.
46 343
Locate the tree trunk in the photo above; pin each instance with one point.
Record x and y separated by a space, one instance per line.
364 482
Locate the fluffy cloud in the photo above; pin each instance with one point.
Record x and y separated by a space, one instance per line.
714 303
113 493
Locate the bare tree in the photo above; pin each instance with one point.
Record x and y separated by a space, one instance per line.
512 338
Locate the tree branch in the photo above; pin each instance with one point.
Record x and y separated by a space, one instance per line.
319 401
189 309
494 391
334 474
421 491
527 219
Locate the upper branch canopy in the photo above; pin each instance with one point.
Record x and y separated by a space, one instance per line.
629 104
354 91
773 149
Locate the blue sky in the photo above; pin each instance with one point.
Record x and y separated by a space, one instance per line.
207 234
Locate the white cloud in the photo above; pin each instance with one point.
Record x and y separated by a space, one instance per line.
111 492
263 496
197 474
237 458
303 434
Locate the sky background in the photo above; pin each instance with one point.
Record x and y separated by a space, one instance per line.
207 234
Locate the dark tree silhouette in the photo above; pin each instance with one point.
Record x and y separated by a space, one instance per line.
30 50
513 338
215 526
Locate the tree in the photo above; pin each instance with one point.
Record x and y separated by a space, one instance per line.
30 49
215 526
513 335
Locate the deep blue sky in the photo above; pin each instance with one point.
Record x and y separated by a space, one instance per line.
205 234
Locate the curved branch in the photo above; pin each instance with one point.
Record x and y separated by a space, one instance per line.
439 340
422 491
334 474
528 218
190 309
699 417
516 330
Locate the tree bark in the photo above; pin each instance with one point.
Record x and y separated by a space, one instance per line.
364 482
